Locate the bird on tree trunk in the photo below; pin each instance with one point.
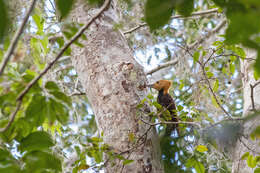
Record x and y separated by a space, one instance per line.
167 103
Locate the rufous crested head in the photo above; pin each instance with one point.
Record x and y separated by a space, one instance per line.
162 84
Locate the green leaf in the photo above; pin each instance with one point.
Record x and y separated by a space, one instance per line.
216 85
98 156
42 107
179 108
150 96
256 133
224 70
157 105
209 74
192 162
257 158
98 2
214 102
199 167
245 156
196 56
8 164
242 26
181 86
184 7
256 76
64 7
232 68
139 106
96 139
39 140
158 13
22 128
50 85
126 162
233 58
257 170
36 111
4 154
240 52
39 21
61 96
257 66
131 137
83 167
38 161
57 111
251 161
201 148
4 19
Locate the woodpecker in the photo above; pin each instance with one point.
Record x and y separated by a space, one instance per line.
166 101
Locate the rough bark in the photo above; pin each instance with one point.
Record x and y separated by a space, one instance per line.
245 144
112 79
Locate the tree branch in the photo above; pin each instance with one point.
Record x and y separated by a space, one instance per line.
213 93
63 49
77 94
161 66
201 40
252 95
198 13
16 37
209 34
12 117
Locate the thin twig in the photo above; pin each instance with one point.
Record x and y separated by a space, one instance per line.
198 13
252 95
193 84
16 37
135 28
213 93
77 94
225 119
250 149
215 30
175 61
69 66
170 122
232 54
63 49
137 142
161 66
209 84
12 117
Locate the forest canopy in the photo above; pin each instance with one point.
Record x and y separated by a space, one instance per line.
208 49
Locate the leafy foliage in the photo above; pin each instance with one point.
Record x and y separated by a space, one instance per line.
36 141
3 19
48 113
64 7
244 24
158 13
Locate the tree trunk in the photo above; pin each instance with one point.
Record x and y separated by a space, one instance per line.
113 83
245 144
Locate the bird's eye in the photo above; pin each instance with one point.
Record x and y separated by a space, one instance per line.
157 82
